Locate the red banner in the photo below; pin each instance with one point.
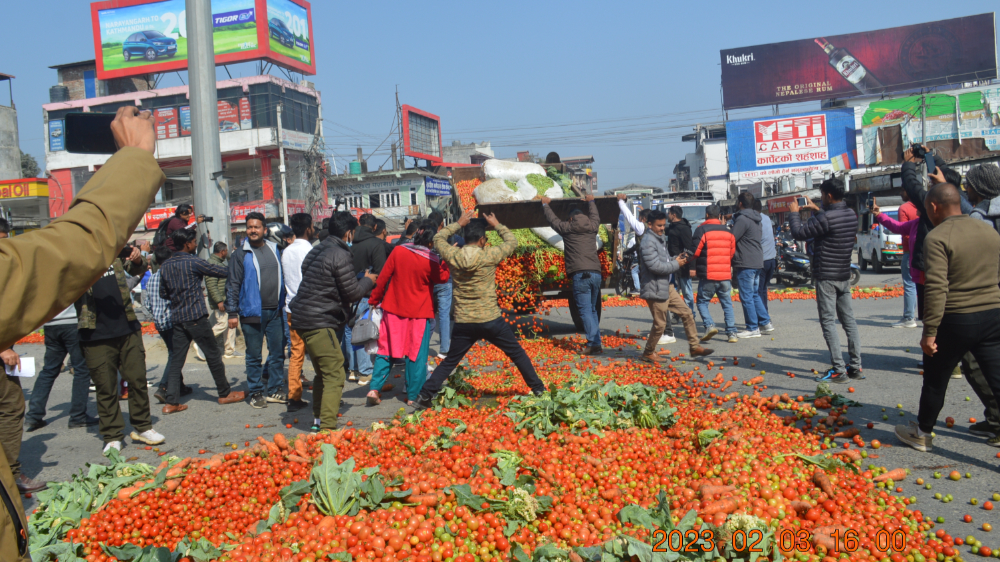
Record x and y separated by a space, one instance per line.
229 117
867 63
154 217
779 205
167 126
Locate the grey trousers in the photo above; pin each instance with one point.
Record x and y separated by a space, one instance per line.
833 300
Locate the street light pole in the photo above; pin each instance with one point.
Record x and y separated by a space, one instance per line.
211 193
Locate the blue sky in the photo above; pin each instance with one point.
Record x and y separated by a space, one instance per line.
622 81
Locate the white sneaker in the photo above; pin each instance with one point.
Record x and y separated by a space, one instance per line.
116 445
767 329
905 324
665 339
442 357
197 352
748 334
149 437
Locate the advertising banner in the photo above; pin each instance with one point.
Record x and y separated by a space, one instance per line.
791 144
154 217
962 117
185 120
229 116
238 211
289 28
437 188
246 118
56 139
167 126
135 37
30 187
868 63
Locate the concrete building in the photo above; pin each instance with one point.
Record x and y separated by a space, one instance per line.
80 82
10 147
248 139
392 196
584 176
707 168
472 153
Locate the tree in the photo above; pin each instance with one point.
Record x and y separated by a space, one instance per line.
29 166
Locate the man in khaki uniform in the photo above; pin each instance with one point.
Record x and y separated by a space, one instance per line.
45 271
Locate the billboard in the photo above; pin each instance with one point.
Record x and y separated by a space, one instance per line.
437 188
135 37
868 63
56 139
421 134
971 117
767 147
165 119
154 217
229 116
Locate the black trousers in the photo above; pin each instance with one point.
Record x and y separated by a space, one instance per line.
200 332
958 334
464 336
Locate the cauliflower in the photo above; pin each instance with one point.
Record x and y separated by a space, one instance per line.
521 506
377 426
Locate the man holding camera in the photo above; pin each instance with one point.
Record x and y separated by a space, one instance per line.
655 268
833 230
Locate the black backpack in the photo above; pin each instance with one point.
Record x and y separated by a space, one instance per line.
161 233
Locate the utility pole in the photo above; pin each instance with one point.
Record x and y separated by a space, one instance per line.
281 170
211 191
923 121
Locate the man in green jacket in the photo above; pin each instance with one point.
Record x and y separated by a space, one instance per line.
218 316
961 305
45 271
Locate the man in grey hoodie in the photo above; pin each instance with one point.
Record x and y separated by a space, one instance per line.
747 264
655 268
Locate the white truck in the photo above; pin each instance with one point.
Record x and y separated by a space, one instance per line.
876 245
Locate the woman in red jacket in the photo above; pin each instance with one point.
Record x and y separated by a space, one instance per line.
404 292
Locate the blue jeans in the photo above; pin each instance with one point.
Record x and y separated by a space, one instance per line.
722 289
683 286
286 344
586 294
765 277
442 315
254 334
60 341
754 311
909 290
635 278
357 359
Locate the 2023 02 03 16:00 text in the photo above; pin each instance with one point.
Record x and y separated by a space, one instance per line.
789 540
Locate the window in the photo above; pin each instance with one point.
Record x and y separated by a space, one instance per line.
413 198
387 199
153 34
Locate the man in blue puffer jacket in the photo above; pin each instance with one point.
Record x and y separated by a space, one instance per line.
255 295
833 230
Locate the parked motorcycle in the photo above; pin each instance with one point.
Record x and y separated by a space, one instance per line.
625 284
795 268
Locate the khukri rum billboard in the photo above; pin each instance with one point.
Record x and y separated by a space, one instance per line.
869 63
135 37
769 147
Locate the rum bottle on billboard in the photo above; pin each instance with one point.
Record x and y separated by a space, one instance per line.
851 69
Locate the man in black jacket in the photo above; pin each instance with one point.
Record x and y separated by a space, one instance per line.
369 254
679 240
321 309
833 230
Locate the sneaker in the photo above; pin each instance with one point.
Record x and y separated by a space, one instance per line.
116 445
296 405
197 352
233 355
88 422
767 328
833 376
277 398
748 334
855 374
92 388
352 376
160 395
995 440
905 324
364 379
908 434
983 429
733 339
149 437
442 356
665 339
957 373
30 426
424 403
710 333
257 400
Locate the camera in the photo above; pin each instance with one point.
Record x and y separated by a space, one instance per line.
209 219
918 150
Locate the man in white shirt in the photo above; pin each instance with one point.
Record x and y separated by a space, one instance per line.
291 263
638 225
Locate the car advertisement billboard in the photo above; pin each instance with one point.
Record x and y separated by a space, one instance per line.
791 144
289 29
135 37
56 138
868 63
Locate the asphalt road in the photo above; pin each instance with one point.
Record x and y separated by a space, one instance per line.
889 355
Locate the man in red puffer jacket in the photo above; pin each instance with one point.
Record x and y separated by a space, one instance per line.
714 249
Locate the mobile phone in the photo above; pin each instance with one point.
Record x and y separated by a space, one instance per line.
126 252
871 202
801 201
929 161
90 133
